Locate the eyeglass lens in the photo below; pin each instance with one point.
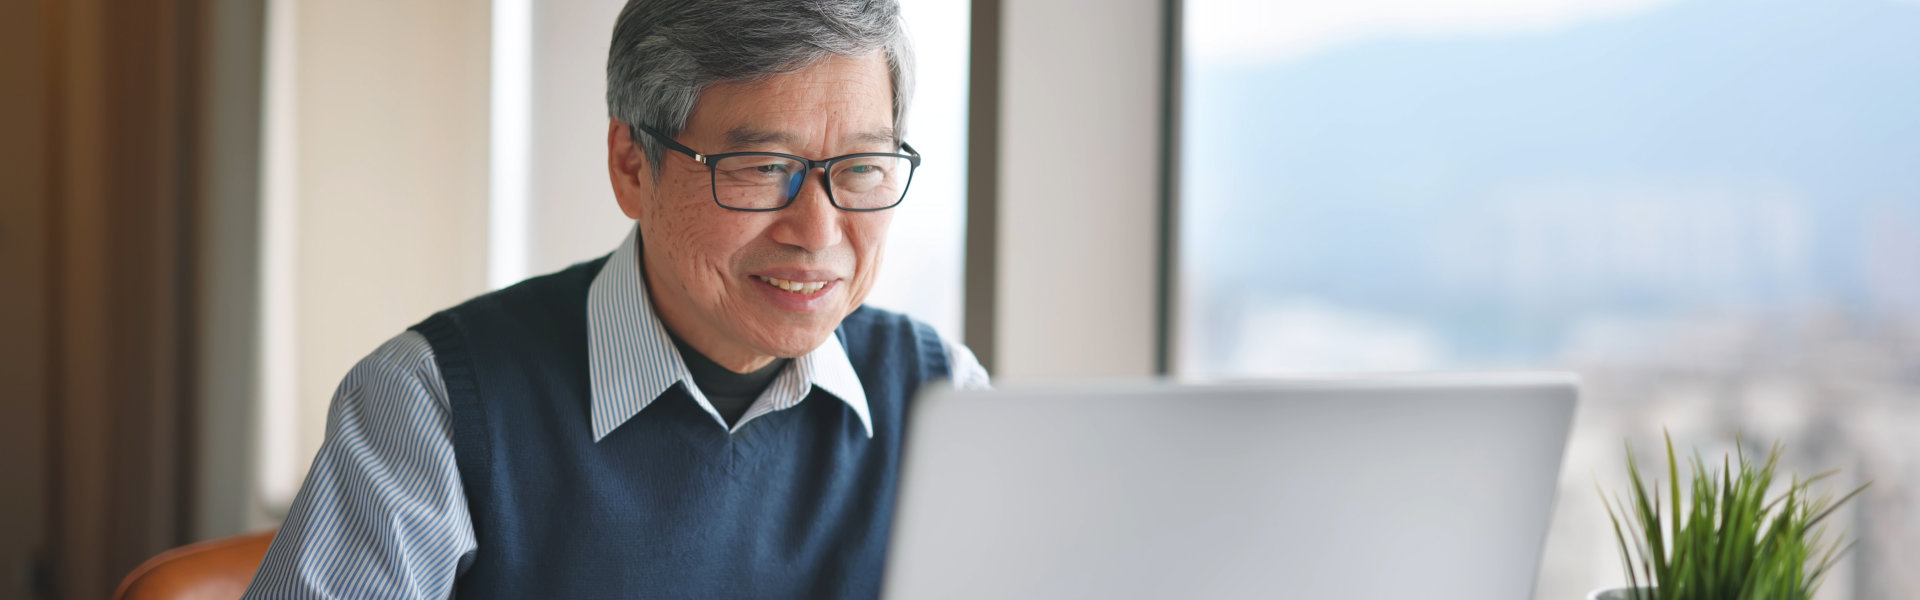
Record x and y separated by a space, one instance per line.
762 182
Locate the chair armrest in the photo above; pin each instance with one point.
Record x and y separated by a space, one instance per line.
217 569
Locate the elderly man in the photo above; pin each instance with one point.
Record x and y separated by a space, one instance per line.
708 411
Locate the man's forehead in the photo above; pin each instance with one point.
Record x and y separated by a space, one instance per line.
750 135
834 102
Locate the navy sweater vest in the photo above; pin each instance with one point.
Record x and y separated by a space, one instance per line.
668 505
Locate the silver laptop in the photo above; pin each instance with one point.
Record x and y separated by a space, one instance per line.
1402 487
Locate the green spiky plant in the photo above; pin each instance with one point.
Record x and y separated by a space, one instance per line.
1733 544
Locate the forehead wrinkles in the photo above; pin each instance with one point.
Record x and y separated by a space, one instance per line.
745 135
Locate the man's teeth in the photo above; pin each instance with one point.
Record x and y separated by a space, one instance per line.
798 287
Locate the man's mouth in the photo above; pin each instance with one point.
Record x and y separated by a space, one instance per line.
797 287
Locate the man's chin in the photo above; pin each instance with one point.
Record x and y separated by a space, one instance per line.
795 343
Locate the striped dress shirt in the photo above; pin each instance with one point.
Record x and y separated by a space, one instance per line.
382 513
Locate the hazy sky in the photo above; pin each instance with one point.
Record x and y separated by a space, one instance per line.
1495 177
1266 31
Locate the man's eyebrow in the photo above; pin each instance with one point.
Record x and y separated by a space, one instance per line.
879 136
745 136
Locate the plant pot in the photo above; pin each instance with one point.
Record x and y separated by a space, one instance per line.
1618 593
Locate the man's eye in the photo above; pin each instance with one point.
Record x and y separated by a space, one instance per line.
764 169
864 170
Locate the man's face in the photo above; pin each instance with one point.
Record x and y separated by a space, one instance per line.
716 275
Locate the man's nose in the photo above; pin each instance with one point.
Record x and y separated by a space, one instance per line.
810 222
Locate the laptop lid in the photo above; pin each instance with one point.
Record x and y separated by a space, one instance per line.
1406 486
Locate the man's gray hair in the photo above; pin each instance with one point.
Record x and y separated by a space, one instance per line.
665 52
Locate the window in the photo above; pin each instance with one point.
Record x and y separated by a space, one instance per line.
1708 209
922 272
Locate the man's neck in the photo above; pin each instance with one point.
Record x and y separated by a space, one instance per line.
730 393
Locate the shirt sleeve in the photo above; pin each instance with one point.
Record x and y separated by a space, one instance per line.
382 513
968 374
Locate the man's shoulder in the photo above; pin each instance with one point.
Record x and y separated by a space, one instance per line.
869 325
867 321
868 314
567 283
543 316
401 375
540 300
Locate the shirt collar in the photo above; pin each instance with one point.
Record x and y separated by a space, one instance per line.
632 361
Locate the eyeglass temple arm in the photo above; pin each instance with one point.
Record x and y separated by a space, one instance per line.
673 144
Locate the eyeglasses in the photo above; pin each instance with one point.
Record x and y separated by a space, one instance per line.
769 181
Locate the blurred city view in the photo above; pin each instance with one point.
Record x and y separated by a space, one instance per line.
1710 209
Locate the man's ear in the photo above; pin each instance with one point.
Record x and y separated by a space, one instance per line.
627 167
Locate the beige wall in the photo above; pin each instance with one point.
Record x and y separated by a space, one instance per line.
382 180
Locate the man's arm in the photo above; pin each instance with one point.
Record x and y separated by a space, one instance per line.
382 513
968 374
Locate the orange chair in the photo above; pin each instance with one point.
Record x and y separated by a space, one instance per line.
213 569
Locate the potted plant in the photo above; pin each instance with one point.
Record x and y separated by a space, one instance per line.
1725 539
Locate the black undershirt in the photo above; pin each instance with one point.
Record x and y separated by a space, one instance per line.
731 393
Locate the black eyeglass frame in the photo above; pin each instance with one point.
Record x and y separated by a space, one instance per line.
825 165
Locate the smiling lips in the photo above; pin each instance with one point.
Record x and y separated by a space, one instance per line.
797 287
